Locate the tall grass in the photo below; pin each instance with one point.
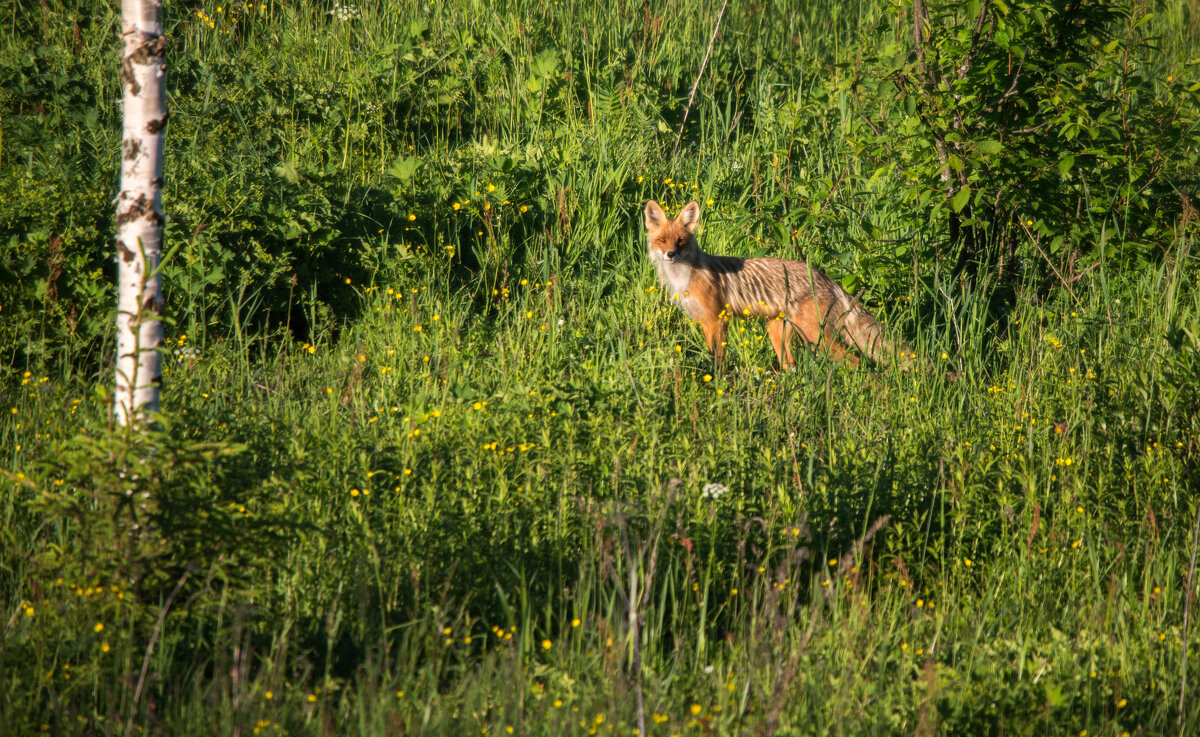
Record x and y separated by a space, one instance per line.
436 469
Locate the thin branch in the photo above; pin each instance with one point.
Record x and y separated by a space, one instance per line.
1065 283
939 146
832 191
866 119
703 64
1012 87
162 615
976 34
920 29
1024 130
953 320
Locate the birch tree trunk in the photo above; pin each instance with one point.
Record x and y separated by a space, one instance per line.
139 212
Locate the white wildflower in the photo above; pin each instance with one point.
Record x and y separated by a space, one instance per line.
714 491
345 12
186 353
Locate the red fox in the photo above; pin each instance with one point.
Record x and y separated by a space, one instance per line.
791 295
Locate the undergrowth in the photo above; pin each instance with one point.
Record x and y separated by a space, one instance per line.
437 456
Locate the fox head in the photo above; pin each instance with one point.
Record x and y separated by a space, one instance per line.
671 240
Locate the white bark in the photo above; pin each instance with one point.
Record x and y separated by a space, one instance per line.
139 212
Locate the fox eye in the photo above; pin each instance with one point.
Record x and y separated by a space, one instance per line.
660 240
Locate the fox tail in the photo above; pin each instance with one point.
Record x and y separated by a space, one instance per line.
859 329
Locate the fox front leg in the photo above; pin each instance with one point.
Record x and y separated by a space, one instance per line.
714 335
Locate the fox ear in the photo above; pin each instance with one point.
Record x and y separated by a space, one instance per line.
654 215
689 216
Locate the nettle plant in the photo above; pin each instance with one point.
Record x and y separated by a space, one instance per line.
1046 123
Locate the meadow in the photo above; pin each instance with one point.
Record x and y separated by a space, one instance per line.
438 456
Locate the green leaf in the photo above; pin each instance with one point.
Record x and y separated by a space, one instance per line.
417 28
959 201
1065 164
990 147
545 63
1055 696
403 169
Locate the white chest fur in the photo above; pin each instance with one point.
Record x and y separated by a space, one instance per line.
675 279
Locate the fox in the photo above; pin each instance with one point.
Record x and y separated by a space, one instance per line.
793 297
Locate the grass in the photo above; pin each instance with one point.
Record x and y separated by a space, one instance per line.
436 469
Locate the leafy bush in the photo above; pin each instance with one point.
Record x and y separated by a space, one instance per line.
55 206
1037 123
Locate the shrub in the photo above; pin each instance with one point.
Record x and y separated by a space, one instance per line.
1039 121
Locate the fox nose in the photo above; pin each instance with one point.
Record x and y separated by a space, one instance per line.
671 255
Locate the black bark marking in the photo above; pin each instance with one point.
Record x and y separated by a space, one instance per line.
132 148
141 207
156 126
153 303
123 250
129 78
150 50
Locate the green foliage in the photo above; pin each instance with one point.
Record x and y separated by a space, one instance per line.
55 215
145 508
347 517
431 433
135 526
1053 123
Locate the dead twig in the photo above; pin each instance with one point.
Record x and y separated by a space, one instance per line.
703 64
162 615
1065 283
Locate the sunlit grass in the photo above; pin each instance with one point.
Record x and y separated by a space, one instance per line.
422 486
